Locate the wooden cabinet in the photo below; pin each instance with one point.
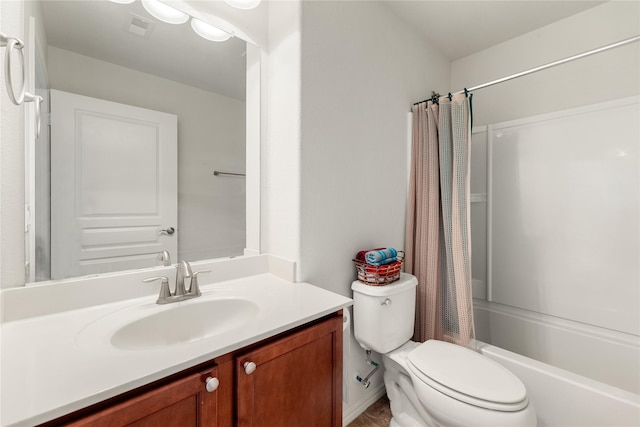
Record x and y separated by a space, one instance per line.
198 399
297 381
294 381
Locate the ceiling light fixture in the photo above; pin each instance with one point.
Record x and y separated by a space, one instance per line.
208 31
123 1
165 12
243 4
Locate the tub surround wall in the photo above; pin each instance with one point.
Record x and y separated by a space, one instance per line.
603 77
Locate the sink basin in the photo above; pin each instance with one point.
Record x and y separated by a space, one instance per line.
184 322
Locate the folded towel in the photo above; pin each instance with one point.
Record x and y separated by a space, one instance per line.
383 262
360 255
382 269
376 257
367 279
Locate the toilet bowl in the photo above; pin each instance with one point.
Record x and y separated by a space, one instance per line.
434 383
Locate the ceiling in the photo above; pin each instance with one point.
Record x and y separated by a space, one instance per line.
99 29
459 28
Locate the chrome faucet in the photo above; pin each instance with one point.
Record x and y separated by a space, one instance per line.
165 257
183 271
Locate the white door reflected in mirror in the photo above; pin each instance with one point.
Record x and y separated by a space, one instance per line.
114 185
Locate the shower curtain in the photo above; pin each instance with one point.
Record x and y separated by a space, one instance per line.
438 243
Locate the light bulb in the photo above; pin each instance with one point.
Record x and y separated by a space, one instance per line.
165 12
243 4
208 31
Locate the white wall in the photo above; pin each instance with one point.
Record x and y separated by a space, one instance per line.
335 170
603 77
280 227
358 87
211 136
362 68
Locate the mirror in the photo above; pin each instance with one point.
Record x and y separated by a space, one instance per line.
118 54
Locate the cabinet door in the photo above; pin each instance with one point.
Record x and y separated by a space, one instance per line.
297 380
181 403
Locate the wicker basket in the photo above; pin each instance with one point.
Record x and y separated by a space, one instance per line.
379 275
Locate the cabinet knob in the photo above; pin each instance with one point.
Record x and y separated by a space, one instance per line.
211 384
249 367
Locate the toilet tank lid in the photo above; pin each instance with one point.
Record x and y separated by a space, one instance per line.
406 282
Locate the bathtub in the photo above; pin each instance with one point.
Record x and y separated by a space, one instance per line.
564 399
608 356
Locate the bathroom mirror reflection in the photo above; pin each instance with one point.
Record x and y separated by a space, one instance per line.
112 198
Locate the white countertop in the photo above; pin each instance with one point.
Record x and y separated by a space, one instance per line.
51 365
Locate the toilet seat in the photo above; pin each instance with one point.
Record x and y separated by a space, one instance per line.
467 376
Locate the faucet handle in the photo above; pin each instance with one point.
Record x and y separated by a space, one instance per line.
194 289
165 292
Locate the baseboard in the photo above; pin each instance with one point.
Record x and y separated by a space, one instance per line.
358 408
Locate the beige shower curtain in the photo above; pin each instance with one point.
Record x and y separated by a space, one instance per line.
438 243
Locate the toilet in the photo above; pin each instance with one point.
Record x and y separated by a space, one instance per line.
434 383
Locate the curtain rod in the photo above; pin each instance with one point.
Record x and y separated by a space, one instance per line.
218 173
549 65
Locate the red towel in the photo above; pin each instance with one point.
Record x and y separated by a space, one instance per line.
383 269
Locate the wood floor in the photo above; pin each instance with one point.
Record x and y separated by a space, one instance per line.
376 415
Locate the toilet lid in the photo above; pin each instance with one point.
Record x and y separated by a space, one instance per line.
468 376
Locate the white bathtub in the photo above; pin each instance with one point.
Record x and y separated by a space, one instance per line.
564 399
608 356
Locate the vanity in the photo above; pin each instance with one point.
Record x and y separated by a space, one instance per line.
254 349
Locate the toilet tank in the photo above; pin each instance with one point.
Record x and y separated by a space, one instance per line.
383 316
